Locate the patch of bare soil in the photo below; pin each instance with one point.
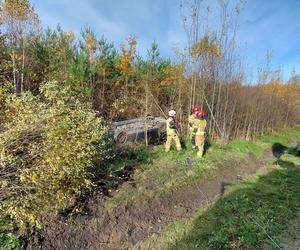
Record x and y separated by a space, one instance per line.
290 238
126 225
291 244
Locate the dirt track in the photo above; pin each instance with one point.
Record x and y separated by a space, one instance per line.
126 225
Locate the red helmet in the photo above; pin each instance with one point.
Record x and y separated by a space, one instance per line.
195 109
200 113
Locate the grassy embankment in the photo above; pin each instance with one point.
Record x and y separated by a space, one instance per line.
253 213
164 172
159 173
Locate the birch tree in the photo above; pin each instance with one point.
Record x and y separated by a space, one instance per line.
18 19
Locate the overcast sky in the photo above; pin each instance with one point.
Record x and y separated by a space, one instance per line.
265 25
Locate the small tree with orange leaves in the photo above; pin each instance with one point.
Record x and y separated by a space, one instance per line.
125 66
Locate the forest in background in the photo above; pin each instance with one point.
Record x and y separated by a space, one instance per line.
59 91
121 84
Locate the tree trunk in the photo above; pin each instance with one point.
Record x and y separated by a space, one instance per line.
146 109
23 66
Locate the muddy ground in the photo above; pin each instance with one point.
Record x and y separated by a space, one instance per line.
126 225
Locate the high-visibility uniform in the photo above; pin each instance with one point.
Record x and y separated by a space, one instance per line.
193 129
172 135
191 119
200 136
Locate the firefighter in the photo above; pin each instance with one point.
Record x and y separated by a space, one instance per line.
200 132
172 132
192 126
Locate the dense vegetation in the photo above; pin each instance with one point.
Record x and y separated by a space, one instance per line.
122 84
58 92
47 151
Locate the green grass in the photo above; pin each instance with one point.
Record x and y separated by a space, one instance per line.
159 173
133 156
169 171
252 213
246 147
282 137
8 240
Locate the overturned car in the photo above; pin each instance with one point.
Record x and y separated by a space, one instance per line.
135 130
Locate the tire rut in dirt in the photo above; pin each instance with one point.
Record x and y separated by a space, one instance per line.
126 225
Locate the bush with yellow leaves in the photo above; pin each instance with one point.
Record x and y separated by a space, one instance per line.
47 152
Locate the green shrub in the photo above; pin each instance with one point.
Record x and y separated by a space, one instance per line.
10 241
7 239
47 152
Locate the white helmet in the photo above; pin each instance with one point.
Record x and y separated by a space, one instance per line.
172 113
